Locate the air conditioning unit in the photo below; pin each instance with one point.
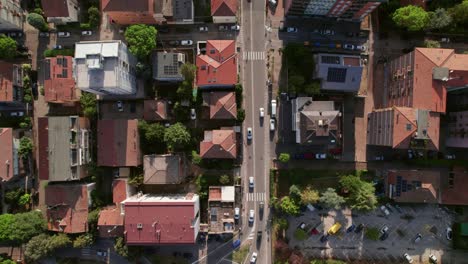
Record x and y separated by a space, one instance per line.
181 57
140 226
320 122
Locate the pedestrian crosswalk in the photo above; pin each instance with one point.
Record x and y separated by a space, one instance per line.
256 197
85 251
253 55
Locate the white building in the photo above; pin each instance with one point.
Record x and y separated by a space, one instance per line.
104 67
11 15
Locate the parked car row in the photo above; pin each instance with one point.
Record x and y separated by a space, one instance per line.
180 42
310 156
337 46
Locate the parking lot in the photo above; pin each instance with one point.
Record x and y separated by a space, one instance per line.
428 220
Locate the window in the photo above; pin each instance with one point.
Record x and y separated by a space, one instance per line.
408 127
203 67
212 51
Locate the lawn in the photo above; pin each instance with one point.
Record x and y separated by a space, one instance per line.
239 255
459 241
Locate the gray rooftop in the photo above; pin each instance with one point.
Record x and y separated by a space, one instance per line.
166 66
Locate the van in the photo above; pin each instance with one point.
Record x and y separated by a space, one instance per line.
334 229
273 108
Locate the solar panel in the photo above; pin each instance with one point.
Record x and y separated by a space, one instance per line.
336 75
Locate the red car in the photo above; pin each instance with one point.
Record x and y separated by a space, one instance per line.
309 156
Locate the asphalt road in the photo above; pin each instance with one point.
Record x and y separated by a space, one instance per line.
256 157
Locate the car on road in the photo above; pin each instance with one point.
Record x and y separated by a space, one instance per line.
101 253
320 156
350 229
302 226
327 32
203 29
272 2
432 259
273 108
408 258
309 156
361 48
57 47
398 208
237 213
86 33
223 28
384 210
174 43
317 44
193 114
251 216
63 34
259 236
379 158
163 30
251 182
253 259
235 27
262 112
291 30
334 228
44 34
15 34
448 233
450 156
272 124
389 207
417 238
186 42
299 156
384 229
261 208
348 46
359 228
324 238
249 133
384 236
120 106
235 244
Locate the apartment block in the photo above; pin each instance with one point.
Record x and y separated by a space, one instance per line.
11 15
338 72
457 136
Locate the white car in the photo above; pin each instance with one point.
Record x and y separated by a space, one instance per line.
253 259
361 48
327 32
384 229
348 46
249 133
237 213
262 112
450 156
320 156
235 27
251 216
449 233
186 43
58 47
86 33
432 259
384 210
273 2
272 124
291 30
203 29
63 34
193 114
251 182
43 34
120 106
408 258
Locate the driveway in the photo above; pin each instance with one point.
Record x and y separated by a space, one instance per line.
429 220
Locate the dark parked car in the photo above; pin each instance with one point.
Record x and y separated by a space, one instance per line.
398 208
298 156
384 236
174 43
350 229
359 228
324 238
163 30
309 156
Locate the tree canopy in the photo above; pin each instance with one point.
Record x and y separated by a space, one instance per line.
25 147
413 18
331 199
44 245
309 196
16 229
37 21
188 70
289 206
284 157
438 19
361 193
177 136
7 47
152 137
88 104
460 14
94 16
141 40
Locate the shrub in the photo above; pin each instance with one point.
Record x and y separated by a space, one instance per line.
85 26
7 47
120 247
224 179
372 233
284 157
94 17
431 44
37 21
63 52
300 234
25 147
196 159
240 115
83 241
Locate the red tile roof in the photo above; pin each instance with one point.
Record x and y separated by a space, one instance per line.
223 105
162 220
67 207
43 145
119 190
130 12
219 144
6 81
118 143
155 110
110 223
219 66
6 158
223 7
55 8
429 192
60 87
455 186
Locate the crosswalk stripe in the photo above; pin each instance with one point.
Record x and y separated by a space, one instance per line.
253 55
259 197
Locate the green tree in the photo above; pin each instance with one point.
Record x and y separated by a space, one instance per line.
361 193
7 47
136 180
16 229
240 115
6 261
188 70
37 21
202 186
224 179
460 14
88 104
438 19
93 218
413 18
284 157
151 137
24 199
177 136
25 147
312 88
94 16
141 40
331 199
120 247
431 43
309 196
296 83
83 241
196 159
184 92
295 192
289 206
43 245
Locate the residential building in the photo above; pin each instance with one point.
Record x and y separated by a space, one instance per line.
403 128
224 11
126 12
11 110
63 148
454 186
59 85
118 143
104 67
338 72
352 10
221 209
61 12
159 220
219 105
11 15
68 207
11 81
457 136
167 65
164 169
156 110
316 122
10 163
219 144
421 78
217 67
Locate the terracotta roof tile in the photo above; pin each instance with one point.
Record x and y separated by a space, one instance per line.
223 7
219 66
428 192
219 144
119 190
163 169
55 8
6 157
110 222
59 85
223 105
155 110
